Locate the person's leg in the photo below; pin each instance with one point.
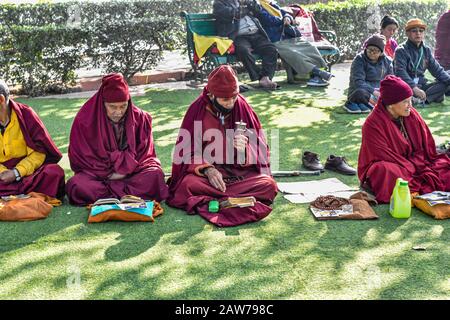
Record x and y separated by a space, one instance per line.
48 179
359 96
358 102
435 91
148 184
262 187
83 189
243 48
194 194
268 53
381 178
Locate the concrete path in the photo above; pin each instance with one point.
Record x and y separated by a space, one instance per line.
175 60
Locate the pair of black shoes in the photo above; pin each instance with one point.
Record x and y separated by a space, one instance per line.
310 160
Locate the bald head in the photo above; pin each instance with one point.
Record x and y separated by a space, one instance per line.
4 93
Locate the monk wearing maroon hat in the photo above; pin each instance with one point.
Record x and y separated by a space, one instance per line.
397 143
213 161
111 148
28 155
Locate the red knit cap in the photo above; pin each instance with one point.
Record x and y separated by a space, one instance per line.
393 90
115 88
223 82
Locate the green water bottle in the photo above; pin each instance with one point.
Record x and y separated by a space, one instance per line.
400 206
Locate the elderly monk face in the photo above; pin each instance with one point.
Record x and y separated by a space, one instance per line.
401 109
416 35
227 103
116 110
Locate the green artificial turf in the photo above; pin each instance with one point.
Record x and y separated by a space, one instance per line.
288 255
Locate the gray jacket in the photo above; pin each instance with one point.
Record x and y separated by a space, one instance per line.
365 74
407 57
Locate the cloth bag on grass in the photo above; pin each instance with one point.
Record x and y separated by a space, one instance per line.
106 213
37 206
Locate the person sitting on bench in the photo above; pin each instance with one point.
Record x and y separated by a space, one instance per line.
296 53
236 19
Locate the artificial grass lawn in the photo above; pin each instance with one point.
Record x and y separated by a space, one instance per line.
288 255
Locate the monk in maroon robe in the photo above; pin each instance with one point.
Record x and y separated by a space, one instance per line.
29 156
212 160
397 143
111 149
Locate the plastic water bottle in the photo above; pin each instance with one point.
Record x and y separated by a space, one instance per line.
400 206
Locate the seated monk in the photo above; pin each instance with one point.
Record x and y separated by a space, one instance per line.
28 155
212 160
397 143
111 149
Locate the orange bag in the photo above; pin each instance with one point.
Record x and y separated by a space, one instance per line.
439 211
38 206
127 216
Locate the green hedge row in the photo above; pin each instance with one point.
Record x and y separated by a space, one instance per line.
41 45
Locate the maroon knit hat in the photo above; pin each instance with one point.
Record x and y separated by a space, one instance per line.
115 88
393 90
223 82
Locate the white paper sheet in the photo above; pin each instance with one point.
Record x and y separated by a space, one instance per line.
324 186
308 191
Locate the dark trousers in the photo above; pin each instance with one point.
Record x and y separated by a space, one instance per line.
359 96
259 44
435 91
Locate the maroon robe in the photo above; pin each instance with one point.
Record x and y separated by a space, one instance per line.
94 155
49 178
442 50
386 155
191 191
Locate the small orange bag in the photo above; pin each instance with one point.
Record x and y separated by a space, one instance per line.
37 206
439 211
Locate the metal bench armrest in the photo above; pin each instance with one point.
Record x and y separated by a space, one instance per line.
329 35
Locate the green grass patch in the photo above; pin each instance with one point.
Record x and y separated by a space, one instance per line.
288 255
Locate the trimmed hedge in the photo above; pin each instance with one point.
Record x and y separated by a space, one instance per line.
41 45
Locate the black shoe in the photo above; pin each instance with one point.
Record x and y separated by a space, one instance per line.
310 160
443 148
339 164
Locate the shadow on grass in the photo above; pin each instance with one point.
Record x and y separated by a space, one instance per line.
288 255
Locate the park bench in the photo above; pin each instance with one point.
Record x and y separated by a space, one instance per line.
204 24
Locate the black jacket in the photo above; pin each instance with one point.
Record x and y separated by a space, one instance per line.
367 75
227 14
407 56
